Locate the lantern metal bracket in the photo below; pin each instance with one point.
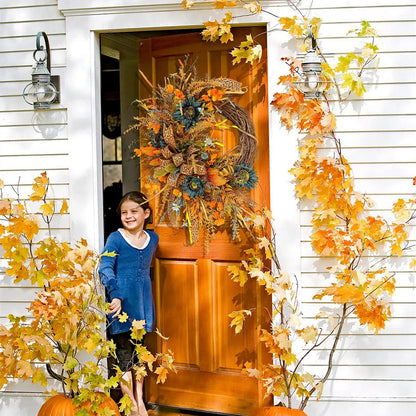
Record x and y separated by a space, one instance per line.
314 44
312 84
44 88
55 79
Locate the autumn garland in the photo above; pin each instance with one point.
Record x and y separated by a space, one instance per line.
197 184
343 230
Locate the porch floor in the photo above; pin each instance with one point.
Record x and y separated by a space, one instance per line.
156 410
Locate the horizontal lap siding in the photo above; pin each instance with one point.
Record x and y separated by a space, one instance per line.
372 374
30 143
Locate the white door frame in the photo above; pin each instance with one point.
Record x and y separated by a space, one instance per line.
81 89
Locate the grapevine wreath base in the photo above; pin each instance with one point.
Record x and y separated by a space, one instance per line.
198 185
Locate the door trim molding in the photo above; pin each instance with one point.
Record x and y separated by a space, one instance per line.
81 83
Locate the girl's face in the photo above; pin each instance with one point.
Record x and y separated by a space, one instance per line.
133 215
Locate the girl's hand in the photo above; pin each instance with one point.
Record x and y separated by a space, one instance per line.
115 307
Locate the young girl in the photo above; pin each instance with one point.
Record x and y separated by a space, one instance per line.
126 278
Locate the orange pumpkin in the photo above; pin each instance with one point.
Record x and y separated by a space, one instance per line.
60 405
278 411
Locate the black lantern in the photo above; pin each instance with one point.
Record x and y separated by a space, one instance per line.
42 91
312 84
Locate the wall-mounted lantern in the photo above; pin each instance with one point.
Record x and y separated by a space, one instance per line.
44 88
312 84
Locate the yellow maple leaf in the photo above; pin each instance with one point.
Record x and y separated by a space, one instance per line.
259 221
136 324
221 4
263 242
40 187
294 321
329 121
40 377
282 341
358 277
125 404
401 210
315 22
64 207
354 83
344 62
319 389
187 4
247 50
211 30
308 334
137 329
123 317
238 318
5 205
365 30
162 373
109 254
308 378
238 275
70 363
369 51
139 371
227 37
292 26
24 369
38 193
90 345
253 7
327 70
48 208
268 280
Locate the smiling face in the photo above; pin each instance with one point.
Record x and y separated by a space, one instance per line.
133 216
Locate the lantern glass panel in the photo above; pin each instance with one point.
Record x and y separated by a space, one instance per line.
40 94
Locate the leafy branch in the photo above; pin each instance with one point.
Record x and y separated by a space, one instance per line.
68 312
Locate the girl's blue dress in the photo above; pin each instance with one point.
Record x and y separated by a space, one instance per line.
126 276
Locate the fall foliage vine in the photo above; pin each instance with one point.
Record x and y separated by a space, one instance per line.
343 229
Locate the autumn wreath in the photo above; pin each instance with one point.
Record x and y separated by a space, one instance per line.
198 185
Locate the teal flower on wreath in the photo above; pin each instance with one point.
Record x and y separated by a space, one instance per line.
194 186
204 156
244 176
157 140
188 112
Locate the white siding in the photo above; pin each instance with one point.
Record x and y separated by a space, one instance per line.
30 143
373 374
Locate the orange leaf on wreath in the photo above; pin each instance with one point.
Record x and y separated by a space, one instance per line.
179 94
155 162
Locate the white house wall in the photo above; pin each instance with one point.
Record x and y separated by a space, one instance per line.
30 143
373 375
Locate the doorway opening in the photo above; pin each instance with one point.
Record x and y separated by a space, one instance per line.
119 94
192 290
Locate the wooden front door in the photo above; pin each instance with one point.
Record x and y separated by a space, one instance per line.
192 289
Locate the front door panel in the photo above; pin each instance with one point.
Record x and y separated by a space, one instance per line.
192 289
